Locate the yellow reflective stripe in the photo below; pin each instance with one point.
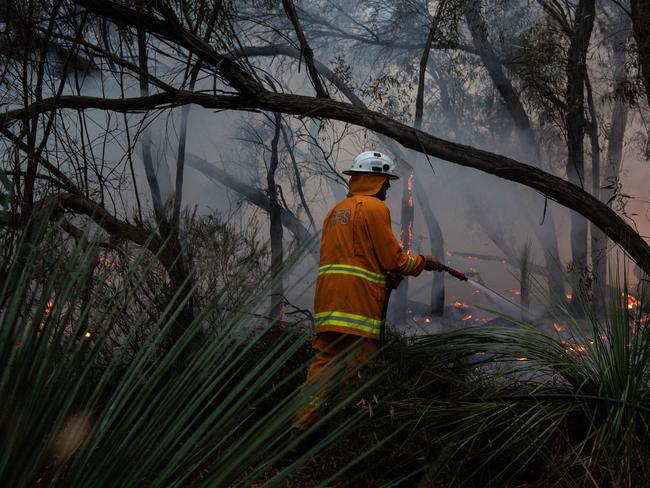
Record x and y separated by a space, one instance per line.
357 271
360 318
348 320
409 265
347 325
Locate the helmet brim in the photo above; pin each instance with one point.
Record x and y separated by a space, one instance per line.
351 172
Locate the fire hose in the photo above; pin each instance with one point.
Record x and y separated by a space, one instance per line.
390 286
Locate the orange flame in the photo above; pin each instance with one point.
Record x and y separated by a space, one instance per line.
468 317
48 308
521 359
632 302
558 328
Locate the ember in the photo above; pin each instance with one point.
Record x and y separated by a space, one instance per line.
558 328
573 348
422 319
106 262
468 317
458 304
521 359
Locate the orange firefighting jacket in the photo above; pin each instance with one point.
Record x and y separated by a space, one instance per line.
357 249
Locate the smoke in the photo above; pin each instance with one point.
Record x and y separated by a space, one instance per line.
374 47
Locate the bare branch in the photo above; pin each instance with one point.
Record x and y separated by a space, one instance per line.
305 49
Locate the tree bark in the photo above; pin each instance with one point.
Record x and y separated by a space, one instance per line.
406 237
305 49
501 82
576 69
641 26
615 138
275 218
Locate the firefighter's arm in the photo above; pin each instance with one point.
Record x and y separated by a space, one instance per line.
387 248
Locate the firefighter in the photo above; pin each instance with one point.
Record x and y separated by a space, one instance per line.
358 254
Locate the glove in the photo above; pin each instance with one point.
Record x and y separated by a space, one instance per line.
432 264
393 280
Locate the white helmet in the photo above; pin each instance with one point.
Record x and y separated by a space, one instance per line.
373 162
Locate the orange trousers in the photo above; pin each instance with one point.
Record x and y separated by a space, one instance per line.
338 356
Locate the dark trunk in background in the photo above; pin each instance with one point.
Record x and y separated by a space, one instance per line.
576 69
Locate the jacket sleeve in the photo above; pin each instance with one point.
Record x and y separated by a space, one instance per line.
387 248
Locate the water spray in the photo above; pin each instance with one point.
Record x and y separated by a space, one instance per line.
461 276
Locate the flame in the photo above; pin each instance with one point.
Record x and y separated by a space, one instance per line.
47 311
87 335
569 296
573 348
558 328
632 302
407 240
48 308
422 319
468 317
521 359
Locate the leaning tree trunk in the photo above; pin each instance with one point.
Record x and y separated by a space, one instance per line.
253 96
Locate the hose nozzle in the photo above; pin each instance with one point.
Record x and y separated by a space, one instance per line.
455 273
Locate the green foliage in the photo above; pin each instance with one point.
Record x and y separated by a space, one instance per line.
77 410
566 406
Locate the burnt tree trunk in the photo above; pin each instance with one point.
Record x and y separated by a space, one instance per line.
171 255
275 215
437 298
576 69
598 253
406 239
615 138
641 26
